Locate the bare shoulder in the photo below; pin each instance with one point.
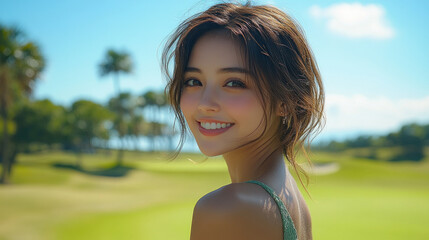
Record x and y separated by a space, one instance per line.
236 211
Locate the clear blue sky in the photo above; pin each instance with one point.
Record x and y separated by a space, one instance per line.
388 71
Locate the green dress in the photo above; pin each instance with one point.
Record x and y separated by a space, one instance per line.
289 231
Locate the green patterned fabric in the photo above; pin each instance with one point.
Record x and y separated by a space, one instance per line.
289 231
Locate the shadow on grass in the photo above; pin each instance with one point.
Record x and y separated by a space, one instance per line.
115 171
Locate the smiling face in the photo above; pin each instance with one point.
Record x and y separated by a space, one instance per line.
219 101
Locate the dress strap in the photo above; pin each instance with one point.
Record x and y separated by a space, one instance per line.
289 231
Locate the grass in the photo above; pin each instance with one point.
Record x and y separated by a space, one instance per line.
153 199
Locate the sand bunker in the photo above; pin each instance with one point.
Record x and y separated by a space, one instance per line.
321 168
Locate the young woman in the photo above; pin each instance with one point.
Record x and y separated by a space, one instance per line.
247 86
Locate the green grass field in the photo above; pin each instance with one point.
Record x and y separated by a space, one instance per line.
151 198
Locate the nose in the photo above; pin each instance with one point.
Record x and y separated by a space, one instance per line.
209 101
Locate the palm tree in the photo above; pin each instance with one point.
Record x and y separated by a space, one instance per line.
115 63
124 106
20 66
153 103
136 127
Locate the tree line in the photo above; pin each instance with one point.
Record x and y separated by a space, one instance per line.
84 124
408 143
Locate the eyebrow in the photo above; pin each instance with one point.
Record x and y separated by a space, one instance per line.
222 70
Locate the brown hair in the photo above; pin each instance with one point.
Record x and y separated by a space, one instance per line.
277 55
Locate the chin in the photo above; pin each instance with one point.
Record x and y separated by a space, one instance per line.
209 151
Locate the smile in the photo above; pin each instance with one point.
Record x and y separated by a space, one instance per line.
213 128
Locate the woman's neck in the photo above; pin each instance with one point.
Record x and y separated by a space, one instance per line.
255 161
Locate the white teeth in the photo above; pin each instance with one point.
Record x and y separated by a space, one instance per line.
213 125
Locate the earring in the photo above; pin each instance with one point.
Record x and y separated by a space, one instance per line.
283 118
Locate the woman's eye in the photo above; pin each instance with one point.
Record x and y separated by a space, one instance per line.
192 83
235 84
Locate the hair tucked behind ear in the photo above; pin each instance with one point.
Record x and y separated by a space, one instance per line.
277 55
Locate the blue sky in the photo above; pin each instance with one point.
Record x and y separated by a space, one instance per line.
375 79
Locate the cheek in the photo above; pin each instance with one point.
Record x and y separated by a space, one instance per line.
188 103
247 106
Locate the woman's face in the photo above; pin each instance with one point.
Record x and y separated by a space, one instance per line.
219 102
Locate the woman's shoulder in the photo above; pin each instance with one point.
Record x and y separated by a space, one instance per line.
236 211
237 196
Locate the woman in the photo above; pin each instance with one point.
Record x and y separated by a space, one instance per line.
246 84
